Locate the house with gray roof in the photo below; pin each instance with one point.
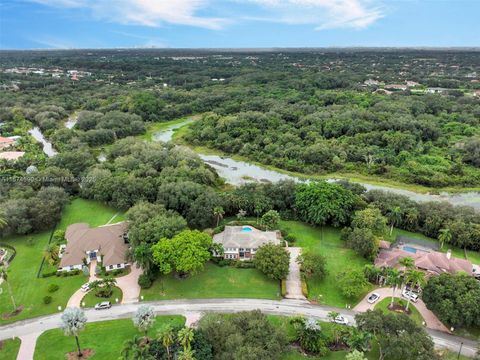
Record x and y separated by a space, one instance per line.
106 244
242 242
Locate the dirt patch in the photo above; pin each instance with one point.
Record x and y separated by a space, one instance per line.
18 310
86 353
399 309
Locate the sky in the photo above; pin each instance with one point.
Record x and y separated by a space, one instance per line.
60 24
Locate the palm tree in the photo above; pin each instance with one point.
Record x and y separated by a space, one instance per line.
444 236
3 222
167 337
332 315
108 283
395 215
394 279
130 346
73 321
4 276
185 337
143 257
218 212
142 353
416 279
186 354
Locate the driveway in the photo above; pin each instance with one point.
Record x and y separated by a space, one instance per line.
431 320
76 299
182 307
294 284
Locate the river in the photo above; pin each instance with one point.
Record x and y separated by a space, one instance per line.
47 146
237 172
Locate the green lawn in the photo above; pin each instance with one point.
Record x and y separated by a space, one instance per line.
326 241
90 299
158 126
215 282
106 338
29 291
9 349
414 315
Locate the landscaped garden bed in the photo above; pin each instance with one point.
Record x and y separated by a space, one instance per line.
90 299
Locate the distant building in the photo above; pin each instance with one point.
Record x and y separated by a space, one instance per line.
242 242
396 87
371 82
11 155
6 142
436 90
412 83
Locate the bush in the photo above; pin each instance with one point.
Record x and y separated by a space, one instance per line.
53 287
220 261
304 288
47 299
144 281
58 236
247 264
49 274
290 238
284 287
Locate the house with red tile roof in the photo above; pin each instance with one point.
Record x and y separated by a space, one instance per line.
6 142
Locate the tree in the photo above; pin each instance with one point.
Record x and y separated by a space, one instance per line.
167 337
218 213
313 265
395 215
444 237
186 253
332 315
352 283
144 318
4 276
273 261
394 279
130 347
73 322
247 335
186 354
321 203
271 219
362 241
3 221
355 355
416 279
142 254
454 299
370 218
51 253
407 262
398 336
185 338
309 334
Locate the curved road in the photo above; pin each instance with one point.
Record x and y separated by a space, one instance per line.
185 307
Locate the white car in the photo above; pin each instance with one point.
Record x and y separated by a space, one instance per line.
407 294
373 298
342 320
103 305
85 287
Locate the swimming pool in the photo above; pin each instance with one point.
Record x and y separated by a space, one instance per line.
246 229
410 249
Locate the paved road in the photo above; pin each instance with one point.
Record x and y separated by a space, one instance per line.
170 307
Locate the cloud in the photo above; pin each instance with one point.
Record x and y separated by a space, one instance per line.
145 12
325 14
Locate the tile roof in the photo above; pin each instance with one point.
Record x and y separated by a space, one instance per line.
234 237
107 239
11 155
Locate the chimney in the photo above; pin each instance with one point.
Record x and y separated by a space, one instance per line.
449 254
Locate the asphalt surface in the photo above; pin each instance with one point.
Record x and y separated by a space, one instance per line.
183 307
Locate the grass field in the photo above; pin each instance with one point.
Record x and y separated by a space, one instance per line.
326 241
414 315
9 349
90 299
106 338
215 282
29 291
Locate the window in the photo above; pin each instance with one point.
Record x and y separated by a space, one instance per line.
110 267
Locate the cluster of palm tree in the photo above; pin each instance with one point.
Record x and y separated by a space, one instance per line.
138 348
51 254
410 276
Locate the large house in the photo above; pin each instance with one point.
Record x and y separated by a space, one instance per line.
6 142
430 261
242 242
106 244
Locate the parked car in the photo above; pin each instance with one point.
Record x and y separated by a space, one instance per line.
372 298
85 287
103 305
407 294
340 319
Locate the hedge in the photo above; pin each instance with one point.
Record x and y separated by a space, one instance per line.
284 287
304 288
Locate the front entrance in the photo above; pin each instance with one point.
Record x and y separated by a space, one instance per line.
93 255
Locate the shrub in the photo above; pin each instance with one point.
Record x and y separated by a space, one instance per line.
49 274
47 299
58 236
247 264
144 281
53 287
304 288
290 238
284 287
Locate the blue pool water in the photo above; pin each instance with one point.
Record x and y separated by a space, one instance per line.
246 229
410 249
